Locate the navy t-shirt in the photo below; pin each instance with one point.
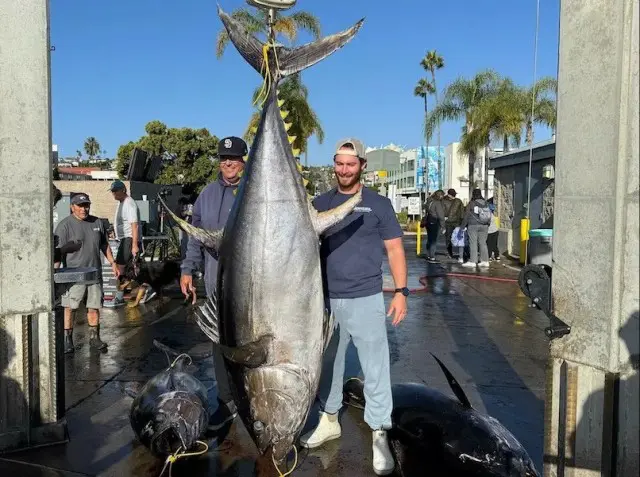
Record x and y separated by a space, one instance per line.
352 250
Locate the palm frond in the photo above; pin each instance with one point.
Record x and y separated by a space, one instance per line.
308 22
286 27
447 110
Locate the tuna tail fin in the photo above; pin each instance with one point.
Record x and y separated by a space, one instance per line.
455 387
353 393
170 353
285 61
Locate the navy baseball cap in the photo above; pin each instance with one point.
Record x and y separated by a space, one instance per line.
117 185
80 198
232 146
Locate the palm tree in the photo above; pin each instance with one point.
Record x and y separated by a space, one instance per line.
544 110
304 121
287 26
499 116
423 89
461 101
432 62
91 147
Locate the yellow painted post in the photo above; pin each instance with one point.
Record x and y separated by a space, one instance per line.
418 239
524 238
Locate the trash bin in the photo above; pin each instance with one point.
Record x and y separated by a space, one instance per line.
541 246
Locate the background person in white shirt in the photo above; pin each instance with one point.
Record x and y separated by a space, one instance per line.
126 225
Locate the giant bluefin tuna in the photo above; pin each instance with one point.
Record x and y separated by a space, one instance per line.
170 413
268 310
440 436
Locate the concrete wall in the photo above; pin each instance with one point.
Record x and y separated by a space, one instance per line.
29 407
102 203
592 425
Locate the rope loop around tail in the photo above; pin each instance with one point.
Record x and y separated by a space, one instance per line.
290 471
265 71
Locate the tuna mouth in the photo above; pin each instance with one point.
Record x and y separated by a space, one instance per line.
181 421
167 441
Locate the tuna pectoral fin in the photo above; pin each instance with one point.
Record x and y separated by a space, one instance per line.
323 220
252 354
209 238
455 387
327 331
288 61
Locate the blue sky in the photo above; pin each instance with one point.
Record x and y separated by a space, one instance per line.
121 63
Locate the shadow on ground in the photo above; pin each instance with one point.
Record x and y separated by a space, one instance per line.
483 331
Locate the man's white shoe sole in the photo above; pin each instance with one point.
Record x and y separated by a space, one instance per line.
313 445
383 471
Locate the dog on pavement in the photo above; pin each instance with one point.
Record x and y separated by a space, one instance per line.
153 275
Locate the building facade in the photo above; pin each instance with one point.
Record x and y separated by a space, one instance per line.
512 189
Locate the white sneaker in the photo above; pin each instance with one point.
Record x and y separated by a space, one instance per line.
484 265
383 463
461 260
469 265
327 429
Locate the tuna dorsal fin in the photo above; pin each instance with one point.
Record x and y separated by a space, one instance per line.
289 61
455 387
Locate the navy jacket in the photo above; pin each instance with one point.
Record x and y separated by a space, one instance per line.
210 212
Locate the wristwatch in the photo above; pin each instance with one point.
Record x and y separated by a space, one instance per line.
403 290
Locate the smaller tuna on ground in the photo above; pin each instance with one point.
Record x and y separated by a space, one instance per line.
436 435
170 413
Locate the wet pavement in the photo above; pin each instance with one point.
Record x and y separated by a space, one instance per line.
478 323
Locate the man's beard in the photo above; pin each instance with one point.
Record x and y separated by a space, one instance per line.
346 182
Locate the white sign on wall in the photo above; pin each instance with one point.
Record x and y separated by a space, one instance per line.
414 206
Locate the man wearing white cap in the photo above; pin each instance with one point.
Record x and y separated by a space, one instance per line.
352 253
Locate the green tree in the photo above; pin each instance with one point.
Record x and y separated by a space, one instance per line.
188 155
423 89
91 147
461 101
305 122
431 62
123 158
544 111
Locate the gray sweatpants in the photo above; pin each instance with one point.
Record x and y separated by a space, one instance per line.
363 320
478 236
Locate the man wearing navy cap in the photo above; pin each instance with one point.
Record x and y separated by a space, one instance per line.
210 212
90 232
126 224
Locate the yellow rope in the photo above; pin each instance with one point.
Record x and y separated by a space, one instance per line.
265 71
290 471
178 455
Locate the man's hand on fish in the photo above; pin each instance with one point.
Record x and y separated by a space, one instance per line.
398 306
186 285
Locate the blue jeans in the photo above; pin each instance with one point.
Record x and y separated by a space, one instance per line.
364 321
